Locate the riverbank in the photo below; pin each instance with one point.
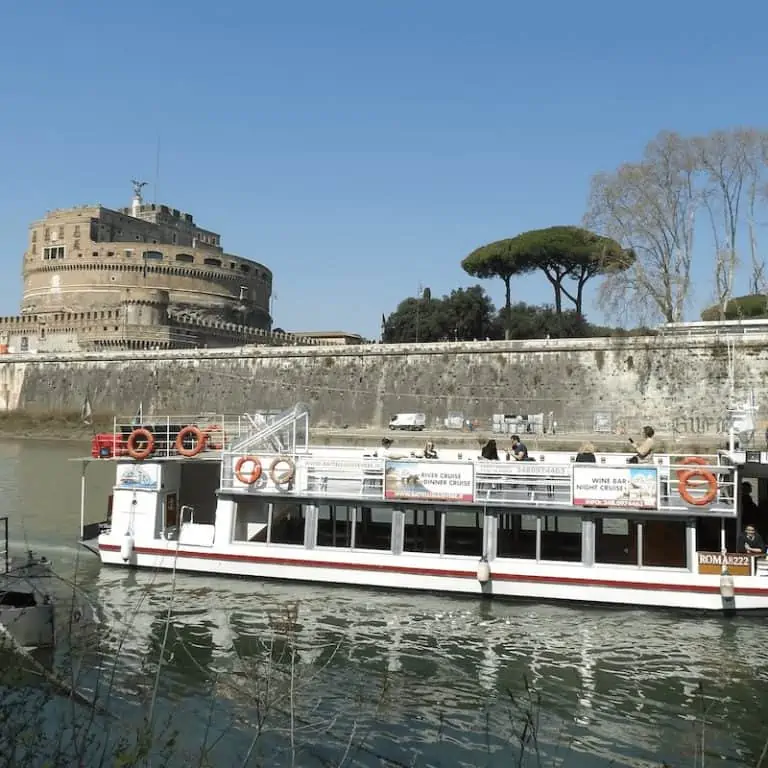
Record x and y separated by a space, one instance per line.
70 426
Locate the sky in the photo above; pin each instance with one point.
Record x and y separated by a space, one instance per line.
359 148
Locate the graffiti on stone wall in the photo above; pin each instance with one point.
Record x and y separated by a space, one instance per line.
685 424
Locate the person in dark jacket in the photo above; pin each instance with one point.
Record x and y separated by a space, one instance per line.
751 542
586 454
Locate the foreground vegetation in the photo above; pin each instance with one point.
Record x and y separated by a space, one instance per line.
265 708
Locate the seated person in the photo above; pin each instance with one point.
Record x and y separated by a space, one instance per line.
586 454
751 542
490 451
644 449
519 449
388 452
429 450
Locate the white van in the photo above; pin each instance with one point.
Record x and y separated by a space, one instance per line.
411 421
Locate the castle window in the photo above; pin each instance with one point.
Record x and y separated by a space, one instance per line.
95 254
128 252
77 244
34 235
24 345
110 253
187 258
156 255
77 230
53 252
212 262
34 248
47 234
244 268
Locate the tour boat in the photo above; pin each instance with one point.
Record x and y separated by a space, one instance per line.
249 496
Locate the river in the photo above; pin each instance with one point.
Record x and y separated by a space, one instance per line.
331 674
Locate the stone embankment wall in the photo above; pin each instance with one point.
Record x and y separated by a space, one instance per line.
676 382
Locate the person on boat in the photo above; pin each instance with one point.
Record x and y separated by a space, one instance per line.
429 450
388 452
643 449
750 514
586 454
519 449
751 542
490 452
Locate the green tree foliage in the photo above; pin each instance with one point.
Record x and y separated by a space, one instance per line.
464 314
741 307
526 321
468 313
500 259
561 253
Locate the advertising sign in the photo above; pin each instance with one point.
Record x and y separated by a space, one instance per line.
631 487
428 480
141 477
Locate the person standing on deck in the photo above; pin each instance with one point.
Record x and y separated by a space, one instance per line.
644 449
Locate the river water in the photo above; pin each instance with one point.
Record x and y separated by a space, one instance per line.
330 675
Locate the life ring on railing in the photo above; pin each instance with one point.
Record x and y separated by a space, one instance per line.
251 477
687 496
687 461
285 477
143 435
190 431
208 431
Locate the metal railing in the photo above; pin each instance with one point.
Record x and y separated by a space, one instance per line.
220 433
285 432
662 488
4 553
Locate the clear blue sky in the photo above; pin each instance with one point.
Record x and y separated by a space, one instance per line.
357 147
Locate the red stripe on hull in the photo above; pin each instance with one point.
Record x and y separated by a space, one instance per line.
411 570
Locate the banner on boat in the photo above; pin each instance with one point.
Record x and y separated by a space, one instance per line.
633 487
414 479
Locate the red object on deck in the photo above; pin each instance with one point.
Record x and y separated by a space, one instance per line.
105 445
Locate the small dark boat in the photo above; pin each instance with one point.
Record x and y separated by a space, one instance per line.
26 607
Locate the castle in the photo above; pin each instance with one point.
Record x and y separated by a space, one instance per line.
141 277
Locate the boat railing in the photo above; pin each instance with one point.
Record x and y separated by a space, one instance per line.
676 489
286 432
219 432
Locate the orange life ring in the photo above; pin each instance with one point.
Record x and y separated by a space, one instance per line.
697 501
286 476
199 441
253 475
208 431
690 460
146 437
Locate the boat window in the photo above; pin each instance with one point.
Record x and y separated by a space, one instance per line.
516 535
251 520
335 525
561 538
374 528
664 544
422 530
287 523
464 533
616 541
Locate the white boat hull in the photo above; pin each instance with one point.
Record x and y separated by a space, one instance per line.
626 587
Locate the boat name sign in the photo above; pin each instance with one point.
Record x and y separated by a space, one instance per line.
633 487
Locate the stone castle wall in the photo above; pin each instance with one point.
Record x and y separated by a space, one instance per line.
674 382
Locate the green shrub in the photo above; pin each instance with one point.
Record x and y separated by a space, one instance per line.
740 307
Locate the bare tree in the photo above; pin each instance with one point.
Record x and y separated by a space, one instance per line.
755 144
649 207
722 158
